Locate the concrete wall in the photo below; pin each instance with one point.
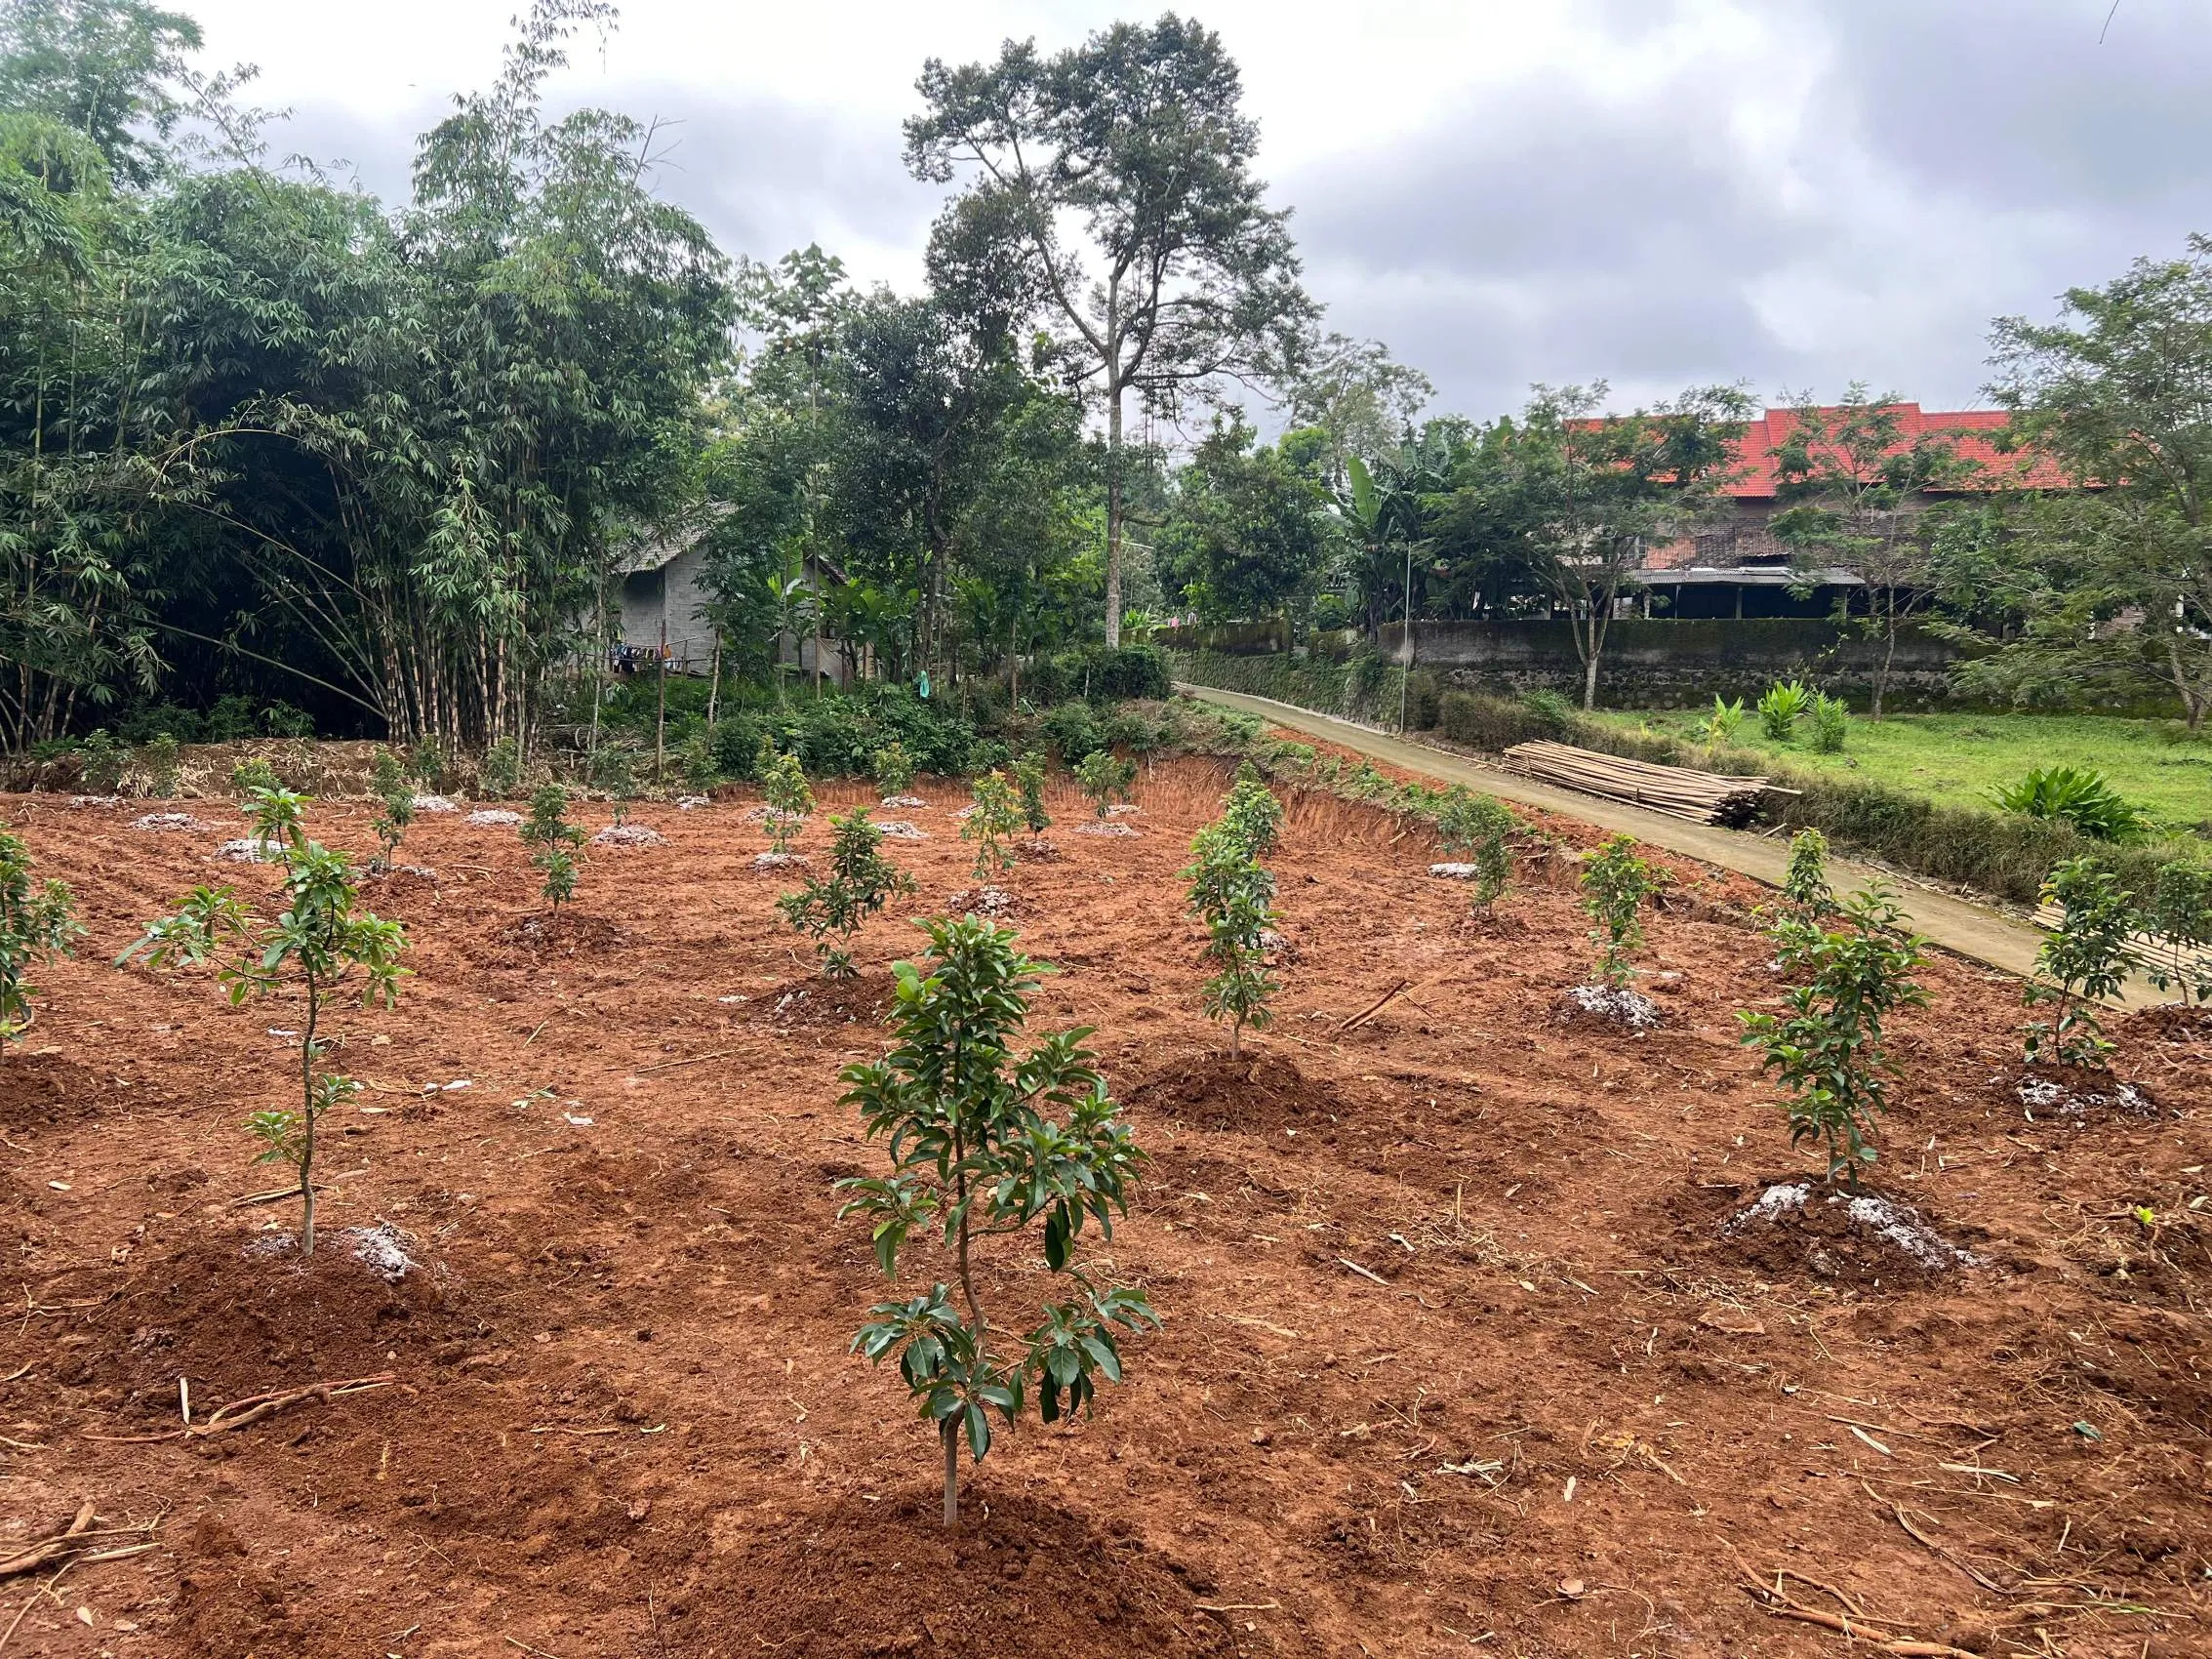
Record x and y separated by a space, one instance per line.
1668 663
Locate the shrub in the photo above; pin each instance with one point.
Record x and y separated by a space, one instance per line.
38 922
614 770
1475 828
893 768
397 796
551 839
250 774
499 775
2084 960
1106 780
1831 723
1100 676
859 883
426 762
1029 781
993 818
100 764
1615 884
2180 914
163 760
984 1141
789 799
695 756
1827 1052
1782 708
1233 896
316 942
735 742
1073 733
1488 723
1725 721
1553 711
2077 796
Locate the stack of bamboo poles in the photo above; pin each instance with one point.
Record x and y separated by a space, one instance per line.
1703 797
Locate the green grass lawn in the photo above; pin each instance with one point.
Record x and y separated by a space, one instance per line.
1958 759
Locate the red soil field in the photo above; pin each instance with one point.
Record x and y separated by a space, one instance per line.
1458 1356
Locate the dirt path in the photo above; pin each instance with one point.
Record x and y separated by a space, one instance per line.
1972 930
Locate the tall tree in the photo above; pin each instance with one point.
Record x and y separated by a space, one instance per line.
111 71
1247 534
1592 492
1183 276
1362 402
1851 490
2117 394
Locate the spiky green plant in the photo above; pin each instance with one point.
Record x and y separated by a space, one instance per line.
1781 708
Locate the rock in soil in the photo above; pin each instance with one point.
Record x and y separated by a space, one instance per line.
993 902
434 803
1106 826
161 821
899 829
491 815
903 803
629 835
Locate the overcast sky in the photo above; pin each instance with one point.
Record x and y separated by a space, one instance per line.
1789 193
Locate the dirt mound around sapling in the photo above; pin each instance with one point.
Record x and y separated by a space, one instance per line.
41 1090
2077 1095
565 932
1792 1228
1609 1006
1256 1094
863 999
855 1579
243 1315
994 904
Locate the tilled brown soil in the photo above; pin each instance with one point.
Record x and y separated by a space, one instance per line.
1464 1348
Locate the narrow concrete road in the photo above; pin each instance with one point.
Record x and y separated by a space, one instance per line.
1971 930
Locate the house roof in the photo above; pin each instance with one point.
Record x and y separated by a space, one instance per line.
1747 576
1972 433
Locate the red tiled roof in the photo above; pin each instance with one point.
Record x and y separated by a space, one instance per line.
1972 431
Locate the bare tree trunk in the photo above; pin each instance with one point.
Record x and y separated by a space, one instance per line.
660 716
714 684
307 1109
1114 518
949 1428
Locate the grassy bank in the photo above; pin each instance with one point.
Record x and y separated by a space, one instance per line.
1958 759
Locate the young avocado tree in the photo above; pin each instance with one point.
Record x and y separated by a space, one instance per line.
553 840
993 818
1476 828
1234 894
894 770
38 922
2180 914
1804 879
1616 885
614 769
859 883
985 1141
397 796
250 774
1252 814
314 943
2086 960
1105 779
1029 781
789 799
1828 1051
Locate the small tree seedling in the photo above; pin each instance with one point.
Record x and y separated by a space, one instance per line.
315 942
164 762
2086 960
1828 1053
1105 779
1615 884
250 774
1252 814
397 796
894 769
1029 781
1234 894
1476 828
614 770
2180 915
859 883
994 816
426 762
984 1142
101 762
789 800
553 840
38 922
